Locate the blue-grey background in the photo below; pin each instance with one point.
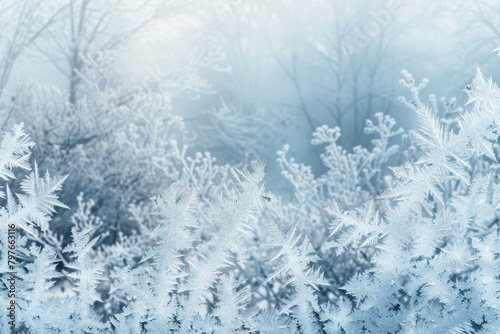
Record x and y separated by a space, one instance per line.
243 77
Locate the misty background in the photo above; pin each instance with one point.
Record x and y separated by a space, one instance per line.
238 79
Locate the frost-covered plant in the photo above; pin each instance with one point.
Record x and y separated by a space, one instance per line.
106 151
23 219
352 178
233 213
296 259
229 310
243 130
30 250
116 152
184 294
431 274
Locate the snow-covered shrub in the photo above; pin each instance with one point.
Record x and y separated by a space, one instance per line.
106 151
119 143
242 131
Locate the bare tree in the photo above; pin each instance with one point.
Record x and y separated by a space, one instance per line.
91 28
339 66
22 22
478 30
